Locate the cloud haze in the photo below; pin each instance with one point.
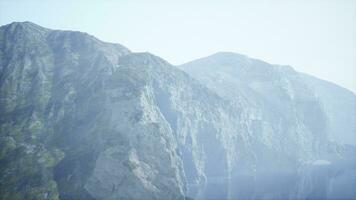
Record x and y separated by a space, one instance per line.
317 37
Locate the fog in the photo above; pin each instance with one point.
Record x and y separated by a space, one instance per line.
317 37
158 100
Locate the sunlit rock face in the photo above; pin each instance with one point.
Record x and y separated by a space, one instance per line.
75 124
85 119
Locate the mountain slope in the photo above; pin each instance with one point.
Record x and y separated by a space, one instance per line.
304 117
85 119
340 106
91 120
239 78
56 90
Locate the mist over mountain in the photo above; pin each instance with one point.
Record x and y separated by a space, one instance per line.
85 119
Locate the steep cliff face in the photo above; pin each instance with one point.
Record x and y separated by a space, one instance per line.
294 117
73 126
340 107
85 119
279 106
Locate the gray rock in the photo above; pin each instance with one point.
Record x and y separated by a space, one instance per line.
85 119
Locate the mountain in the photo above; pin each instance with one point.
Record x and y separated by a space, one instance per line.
236 77
85 119
308 119
340 106
75 125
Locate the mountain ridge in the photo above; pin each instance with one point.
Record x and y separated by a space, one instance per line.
85 119
219 53
242 56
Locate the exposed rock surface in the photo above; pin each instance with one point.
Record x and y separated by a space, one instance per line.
76 125
85 119
299 119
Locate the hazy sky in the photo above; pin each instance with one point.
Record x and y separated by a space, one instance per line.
314 36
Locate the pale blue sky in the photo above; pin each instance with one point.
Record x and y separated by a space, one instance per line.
314 36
